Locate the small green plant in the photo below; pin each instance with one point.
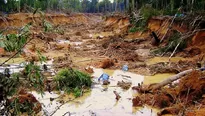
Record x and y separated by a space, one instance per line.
33 74
77 92
41 57
133 29
47 26
72 80
59 30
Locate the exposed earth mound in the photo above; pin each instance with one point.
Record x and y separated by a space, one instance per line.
88 40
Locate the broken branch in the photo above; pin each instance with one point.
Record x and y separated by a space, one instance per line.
172 78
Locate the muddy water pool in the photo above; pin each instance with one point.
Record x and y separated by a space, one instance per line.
100 101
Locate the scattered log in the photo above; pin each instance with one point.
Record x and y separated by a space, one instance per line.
155 86
173 78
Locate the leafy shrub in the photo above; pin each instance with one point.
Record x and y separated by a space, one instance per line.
14 42
9 85
34 77
72 80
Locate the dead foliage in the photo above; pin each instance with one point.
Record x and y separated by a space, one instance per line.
191 52
174 110
124 85
62 61
163 68
47 36
116 48
137 102
186 93
192 85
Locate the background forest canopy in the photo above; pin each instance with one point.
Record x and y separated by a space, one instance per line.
96 6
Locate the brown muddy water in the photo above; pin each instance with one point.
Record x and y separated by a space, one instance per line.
156 60
100 101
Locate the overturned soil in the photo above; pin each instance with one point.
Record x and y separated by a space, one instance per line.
89 40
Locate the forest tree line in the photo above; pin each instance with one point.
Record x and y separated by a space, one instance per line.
96 6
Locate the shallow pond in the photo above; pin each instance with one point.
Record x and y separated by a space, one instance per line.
156 60
157 78
100 101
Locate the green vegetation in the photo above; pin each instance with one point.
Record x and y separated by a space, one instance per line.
167 6
9 86
172 43
32 74
14 42
140 24
71 80
19 108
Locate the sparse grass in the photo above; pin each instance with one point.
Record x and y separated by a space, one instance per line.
71 80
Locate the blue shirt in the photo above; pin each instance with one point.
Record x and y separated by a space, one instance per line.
104 77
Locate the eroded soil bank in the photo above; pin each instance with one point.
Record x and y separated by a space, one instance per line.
91 40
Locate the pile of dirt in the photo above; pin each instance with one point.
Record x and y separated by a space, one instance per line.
118 24
21 19
26 100
106 63
175 100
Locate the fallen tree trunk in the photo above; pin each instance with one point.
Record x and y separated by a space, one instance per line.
172 78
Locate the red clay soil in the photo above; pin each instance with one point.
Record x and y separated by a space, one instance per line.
189 92
24 98
161 24
106 63
199 41
198 112
21 19
118 24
